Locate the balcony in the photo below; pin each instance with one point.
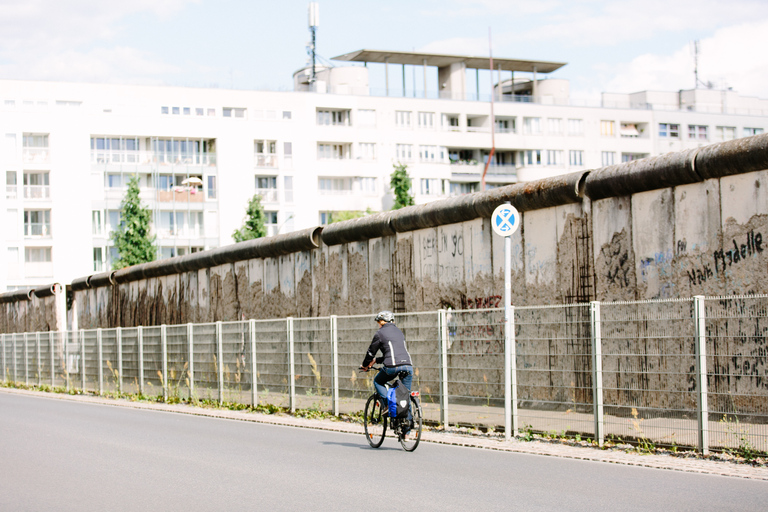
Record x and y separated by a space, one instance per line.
268 195
37 191
38 269
36 156
180 195
10 191
265 160
150 157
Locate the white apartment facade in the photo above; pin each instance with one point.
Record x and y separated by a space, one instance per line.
68 151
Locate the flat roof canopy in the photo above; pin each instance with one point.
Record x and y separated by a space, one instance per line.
441 60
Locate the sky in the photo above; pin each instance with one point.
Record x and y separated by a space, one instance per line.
609 46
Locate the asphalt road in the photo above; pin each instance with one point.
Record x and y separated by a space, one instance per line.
61 455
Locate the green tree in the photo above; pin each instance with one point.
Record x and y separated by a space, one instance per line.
132 239
343 215
254 222
400 183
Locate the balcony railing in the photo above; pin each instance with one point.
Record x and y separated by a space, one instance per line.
10 191
37 191
37 230
265 160
182 232
180 196
36 156
38 269
268 195
148 157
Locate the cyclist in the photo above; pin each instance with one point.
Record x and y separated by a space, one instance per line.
395 357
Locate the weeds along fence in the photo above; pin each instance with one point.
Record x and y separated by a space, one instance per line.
683 372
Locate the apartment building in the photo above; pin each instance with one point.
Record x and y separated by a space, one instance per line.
327 147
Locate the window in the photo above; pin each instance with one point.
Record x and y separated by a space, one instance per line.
403 152
505 125
164 110
181 224
669 130
431 154
451 122
427 120
36 185
199 111
97 223
175 111
106 150
211 187
402 119
629 130
531 125
98 259
266 187
10 184
233 112
366 117
37 262
608 158
286 115
631 157
288 154
334 186
607 128
326 218
575 127
265 153
35 148
367 151
723 133
367 186
270 222
187 111
37 223
576 157
113 220
12 263
332 151
554 157
555 125
698 132
333 117
748 132
430 187
211 112
288 188
458 189
184 151
533 157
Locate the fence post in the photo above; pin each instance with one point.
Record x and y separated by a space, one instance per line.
15 360
219 361
140 343
2 344
292 382
254 390
335 362
191 349
82 360
597 372
26 360
510 374
702 405
52 349
39 366
100 355
443 326
66 360
119 342
164 349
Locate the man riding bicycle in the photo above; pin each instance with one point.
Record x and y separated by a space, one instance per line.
395 357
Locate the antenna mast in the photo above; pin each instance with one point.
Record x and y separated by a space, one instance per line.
493 120
696 63
314 22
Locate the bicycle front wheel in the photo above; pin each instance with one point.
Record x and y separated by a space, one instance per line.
374 422
410 440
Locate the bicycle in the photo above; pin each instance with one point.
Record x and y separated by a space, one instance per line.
408 431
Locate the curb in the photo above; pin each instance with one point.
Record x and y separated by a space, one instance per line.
536 447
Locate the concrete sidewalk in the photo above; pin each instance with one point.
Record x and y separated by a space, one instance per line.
716 464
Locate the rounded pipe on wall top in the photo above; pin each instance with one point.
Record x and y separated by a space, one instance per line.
362 228
48 290
733 157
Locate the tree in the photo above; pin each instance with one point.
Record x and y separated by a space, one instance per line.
254 222
132 239
343 215
401 186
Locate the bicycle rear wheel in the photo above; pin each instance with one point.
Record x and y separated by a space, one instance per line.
411 440
374 422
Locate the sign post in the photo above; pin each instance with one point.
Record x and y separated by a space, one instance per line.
504 222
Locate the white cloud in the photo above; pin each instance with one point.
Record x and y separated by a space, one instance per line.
724 59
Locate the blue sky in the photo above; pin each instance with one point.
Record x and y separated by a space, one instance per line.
616 46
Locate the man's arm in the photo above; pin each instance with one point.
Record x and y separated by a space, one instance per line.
370 356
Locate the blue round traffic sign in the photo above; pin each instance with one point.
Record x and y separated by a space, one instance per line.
505 220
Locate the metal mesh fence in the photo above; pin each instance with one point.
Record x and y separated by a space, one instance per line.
649 380
737 352
652 355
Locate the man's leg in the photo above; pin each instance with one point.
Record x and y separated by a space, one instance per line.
379 383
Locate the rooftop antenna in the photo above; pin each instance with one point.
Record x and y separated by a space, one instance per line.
493 120
696 52
314 22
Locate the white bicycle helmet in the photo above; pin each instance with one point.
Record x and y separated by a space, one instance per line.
387 316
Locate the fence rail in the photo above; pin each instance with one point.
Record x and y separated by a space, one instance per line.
686 372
